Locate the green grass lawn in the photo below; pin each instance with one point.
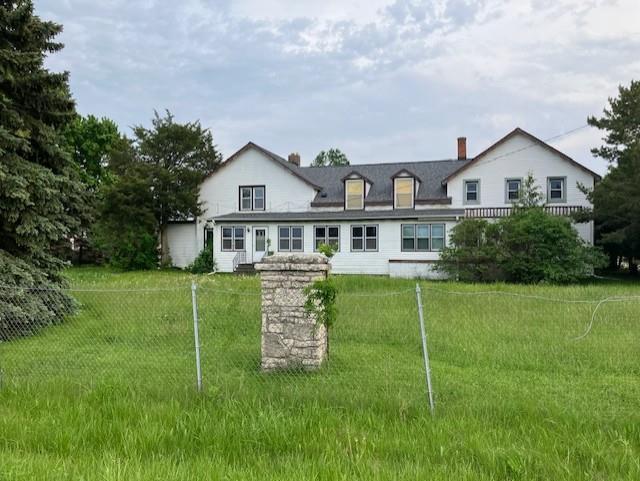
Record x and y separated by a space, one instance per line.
110 394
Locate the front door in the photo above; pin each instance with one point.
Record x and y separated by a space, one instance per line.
260 243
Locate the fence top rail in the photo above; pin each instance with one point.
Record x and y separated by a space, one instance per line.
533 296
380 293
82 289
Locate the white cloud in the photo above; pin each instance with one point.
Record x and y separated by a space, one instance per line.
374 77
358 11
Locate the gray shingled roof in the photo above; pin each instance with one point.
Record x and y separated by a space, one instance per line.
340 215
430 173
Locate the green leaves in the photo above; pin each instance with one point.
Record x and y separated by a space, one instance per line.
41 197
528 246
616 198
332 158
321 301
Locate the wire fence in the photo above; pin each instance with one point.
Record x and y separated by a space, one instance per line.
480 341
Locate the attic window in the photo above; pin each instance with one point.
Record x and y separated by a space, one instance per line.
354 194
403 192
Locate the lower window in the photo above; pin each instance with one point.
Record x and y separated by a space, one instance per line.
233 238
326 234
422 237
364 238
290 238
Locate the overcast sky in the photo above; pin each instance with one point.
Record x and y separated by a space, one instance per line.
382 80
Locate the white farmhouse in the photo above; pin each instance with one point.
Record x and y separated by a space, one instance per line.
390 218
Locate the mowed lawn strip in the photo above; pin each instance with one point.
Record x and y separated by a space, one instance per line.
110 393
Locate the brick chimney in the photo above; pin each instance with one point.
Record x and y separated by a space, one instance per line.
462 148
294 158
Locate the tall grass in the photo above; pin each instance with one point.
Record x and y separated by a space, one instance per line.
110 394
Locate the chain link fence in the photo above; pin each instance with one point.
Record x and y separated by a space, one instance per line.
480 341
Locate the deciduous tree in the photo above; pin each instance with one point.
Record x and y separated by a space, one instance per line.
330 158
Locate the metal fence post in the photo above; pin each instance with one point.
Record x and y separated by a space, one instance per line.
196 333
425 353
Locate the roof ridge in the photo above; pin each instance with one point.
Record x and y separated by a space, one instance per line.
373 164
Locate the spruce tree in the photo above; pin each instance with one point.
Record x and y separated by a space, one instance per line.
41 197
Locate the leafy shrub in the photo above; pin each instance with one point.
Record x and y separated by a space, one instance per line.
537 246
321 301
135 251
204 263
528 246
327 250
474 252
29 299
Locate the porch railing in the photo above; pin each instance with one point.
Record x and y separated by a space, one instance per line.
492 212
239 258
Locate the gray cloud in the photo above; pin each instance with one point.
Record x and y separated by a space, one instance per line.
398 81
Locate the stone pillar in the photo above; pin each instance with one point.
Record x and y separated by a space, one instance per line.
290 336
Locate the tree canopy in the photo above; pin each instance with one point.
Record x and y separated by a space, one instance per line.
616 199
41 195
330 158
89 141
156 177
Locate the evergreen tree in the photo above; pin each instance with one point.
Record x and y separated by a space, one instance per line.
330 158
41 196
616 199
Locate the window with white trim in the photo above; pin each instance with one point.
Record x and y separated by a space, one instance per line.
326 234
233 238
354 194
513 187
290 238
364 238
403 192
556 189
252 197
422 237
471 191
437 237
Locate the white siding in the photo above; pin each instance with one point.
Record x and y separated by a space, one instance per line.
182 239
345 261
283 190
219 195
515 158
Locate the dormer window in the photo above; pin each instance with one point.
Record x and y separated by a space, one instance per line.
252 197
354 194
403 188
405 185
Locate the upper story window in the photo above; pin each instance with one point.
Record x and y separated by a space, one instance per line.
513 187
556 189
252 197
354 194
403 188
471 192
